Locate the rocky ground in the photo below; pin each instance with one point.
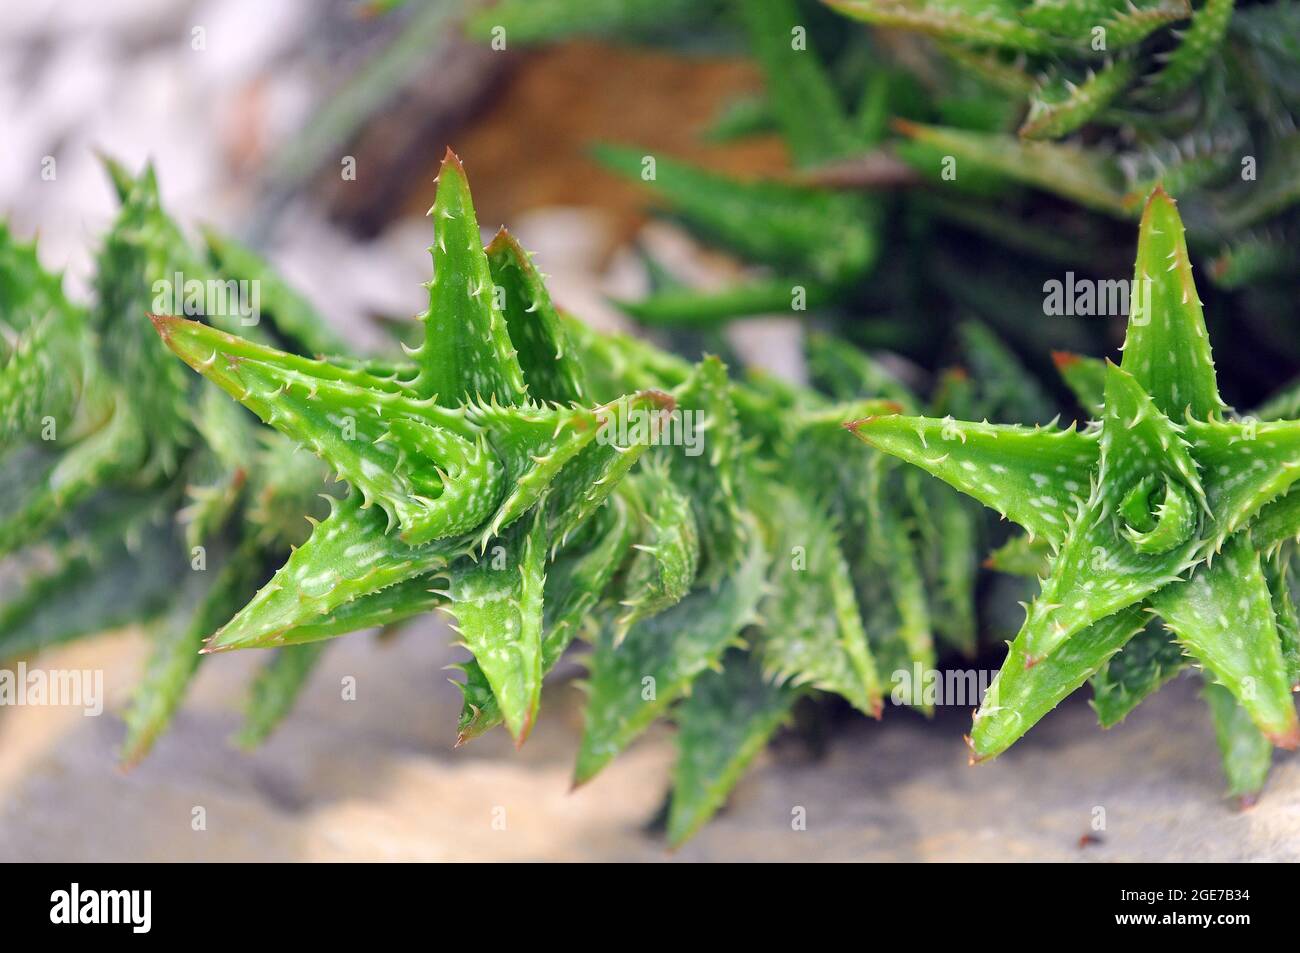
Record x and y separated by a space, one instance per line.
378 779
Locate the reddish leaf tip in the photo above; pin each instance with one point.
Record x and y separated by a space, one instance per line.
975 756
162 323
453 160
529 720
1158 194
1288 739
502 239
891 407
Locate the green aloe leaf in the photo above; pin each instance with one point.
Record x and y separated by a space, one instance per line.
497 601
145 261
1224 617
548 361
1012 469
813 634
800 93
691 307
206 600
740 118
709 466
1086 378
467 354
1278 574
350 554
123 570
721 727
1149 660
662 569
1247 754
847 373
1277 523
794 229
1276 190
632 684
893 554
293 316
986 23
43 375
628 427
1022 556
385 607
1193 54
1068 17
949 539
425 465
27 290
1246 466
576 582
1131 23
1022 694
115 449
1059 107
1252 259
536 444
1167 349
1103 566
1092 179
1006 389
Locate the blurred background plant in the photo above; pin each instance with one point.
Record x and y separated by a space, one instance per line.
948 160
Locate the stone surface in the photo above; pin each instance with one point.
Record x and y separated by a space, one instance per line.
378 779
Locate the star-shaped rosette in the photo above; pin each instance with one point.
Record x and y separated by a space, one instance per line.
1166 505
467 472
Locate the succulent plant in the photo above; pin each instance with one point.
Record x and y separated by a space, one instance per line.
1167 505
494 474
708 540
138 499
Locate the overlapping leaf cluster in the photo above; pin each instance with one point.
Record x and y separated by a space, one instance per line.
1167 505
138 495
516 470
501 474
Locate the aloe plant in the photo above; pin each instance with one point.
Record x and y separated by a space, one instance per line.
486 477
1167 505
135 498
495 475
517 472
